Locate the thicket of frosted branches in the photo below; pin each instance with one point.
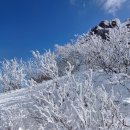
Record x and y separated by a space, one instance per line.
17 74
76 106
87 51
94 52
69 104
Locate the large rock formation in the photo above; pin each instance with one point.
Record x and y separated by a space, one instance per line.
103 27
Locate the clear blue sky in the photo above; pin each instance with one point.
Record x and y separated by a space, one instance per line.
27 25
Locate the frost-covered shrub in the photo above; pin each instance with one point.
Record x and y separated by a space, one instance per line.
76 105
93 52
42 66
12 75
68 53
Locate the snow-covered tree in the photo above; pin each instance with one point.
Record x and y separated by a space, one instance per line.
42 66
12 75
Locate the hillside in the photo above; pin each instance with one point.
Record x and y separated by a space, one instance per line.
14 105
83 85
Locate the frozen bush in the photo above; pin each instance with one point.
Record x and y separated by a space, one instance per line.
12 75
42 66
68 53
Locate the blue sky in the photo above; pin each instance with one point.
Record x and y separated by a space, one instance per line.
27 25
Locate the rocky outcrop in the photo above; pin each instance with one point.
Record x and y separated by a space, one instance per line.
102 29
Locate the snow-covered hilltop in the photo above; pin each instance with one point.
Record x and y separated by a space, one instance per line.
83 85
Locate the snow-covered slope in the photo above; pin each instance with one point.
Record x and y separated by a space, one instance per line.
14 105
